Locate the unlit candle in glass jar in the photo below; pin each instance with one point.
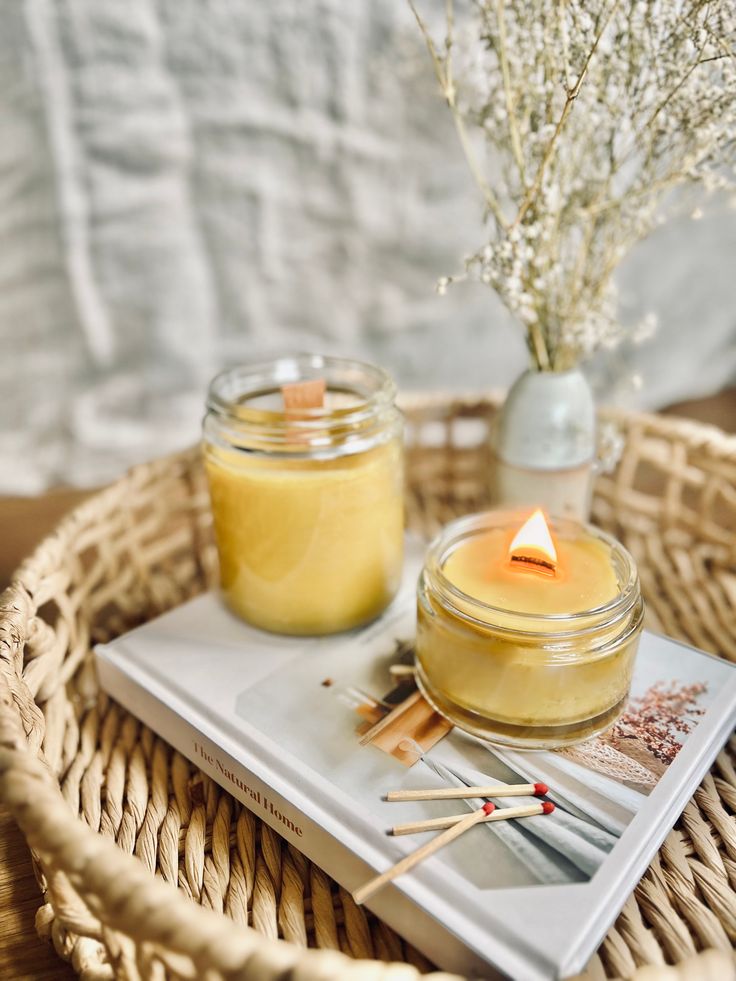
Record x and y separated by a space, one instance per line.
308 507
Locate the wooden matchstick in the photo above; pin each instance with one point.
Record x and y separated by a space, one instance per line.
409 861
505 814
467 793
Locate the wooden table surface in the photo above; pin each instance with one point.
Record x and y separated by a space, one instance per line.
23 523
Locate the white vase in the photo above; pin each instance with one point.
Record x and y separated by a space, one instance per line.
545 444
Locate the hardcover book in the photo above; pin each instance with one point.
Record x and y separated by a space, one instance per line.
311 733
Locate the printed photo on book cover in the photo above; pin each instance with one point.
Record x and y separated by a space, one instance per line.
357 720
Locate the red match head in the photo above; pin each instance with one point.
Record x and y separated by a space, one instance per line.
547 807
540 789
489 808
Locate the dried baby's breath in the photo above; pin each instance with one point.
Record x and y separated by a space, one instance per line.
592 113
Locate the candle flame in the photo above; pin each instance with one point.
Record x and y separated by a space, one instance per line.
533 547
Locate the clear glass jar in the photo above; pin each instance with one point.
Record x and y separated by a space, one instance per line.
307 503
528 680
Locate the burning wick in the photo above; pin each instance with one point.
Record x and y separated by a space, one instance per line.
533 547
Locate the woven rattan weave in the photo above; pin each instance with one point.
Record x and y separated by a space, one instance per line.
90 787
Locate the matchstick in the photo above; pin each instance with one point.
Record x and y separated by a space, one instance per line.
505 814
467 793
409 861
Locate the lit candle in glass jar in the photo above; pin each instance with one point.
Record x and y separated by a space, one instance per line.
307 498
527 636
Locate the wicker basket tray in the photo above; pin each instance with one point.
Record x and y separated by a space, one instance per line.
90 787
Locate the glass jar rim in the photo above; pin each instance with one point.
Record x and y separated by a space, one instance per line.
592 619
268 375
237 418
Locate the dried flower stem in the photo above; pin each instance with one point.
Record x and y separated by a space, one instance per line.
443 71
504 62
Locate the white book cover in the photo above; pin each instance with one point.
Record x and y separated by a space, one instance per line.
287 726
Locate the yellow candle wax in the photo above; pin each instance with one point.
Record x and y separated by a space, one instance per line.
304 461
308 546
527 654
584 577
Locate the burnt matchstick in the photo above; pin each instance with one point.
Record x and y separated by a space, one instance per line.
506 814
467 793
409 861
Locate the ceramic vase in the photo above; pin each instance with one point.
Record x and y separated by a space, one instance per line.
545 444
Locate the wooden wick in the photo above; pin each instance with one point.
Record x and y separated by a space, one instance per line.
467 793
409 861
304 394
505 814
535 562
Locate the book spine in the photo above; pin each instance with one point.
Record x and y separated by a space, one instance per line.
317 844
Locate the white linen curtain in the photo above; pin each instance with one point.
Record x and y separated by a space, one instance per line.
187 183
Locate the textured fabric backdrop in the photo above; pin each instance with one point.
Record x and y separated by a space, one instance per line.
186 183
